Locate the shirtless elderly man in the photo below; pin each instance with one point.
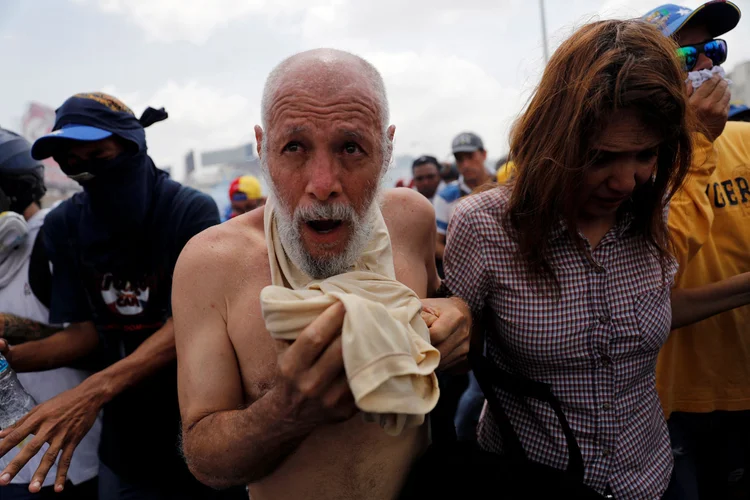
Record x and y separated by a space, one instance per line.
280 417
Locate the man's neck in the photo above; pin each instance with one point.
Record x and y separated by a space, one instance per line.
30 211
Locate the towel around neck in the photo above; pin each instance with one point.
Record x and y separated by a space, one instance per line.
388 358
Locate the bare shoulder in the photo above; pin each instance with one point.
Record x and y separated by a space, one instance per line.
219 252
407 211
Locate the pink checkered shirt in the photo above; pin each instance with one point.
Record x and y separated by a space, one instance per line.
596 346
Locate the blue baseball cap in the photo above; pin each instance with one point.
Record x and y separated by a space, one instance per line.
46 146
718 16
85 117
739 113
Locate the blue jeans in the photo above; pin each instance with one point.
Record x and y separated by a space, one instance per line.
112 487
711 455
468 411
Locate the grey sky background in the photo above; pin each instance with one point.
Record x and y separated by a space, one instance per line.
448 65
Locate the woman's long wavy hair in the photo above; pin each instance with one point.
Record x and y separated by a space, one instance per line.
604 67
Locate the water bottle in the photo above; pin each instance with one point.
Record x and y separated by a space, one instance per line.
15 402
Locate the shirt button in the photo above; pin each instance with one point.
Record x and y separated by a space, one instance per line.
600 270
606 452
605 361
604 319
606 407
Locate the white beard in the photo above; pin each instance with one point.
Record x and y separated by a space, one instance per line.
289 227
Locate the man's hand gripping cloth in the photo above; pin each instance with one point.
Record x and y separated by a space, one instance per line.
388 358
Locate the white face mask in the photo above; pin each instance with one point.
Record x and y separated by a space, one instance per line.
698 78
13 233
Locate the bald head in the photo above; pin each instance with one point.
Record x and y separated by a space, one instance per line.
324 72
324 147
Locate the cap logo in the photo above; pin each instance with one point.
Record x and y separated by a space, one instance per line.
462 140
105 100
659 17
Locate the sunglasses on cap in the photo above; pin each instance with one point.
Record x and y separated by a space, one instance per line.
716 50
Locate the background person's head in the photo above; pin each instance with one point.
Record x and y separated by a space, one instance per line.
449 172
468 149
324 147
695 31
245 194
426 174
21 176
617 133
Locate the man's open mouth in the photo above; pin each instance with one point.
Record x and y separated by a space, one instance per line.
324 226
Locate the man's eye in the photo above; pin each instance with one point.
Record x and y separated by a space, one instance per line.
352 148
293 147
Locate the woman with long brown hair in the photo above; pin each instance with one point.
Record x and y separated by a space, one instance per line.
573 256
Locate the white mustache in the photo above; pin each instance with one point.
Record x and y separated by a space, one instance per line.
325 211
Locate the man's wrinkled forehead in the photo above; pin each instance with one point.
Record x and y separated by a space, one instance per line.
299 110
319 90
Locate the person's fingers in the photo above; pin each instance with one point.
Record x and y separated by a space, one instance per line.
63 465
326 369
726 99
457 355
707 87
457 335
48 460
20 460
448 328
689 88
721 91
429 317
282 346
313 340
11 436
339 397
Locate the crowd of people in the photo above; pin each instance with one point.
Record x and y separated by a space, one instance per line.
326 339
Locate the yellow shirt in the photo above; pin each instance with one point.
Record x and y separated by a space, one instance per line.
706 366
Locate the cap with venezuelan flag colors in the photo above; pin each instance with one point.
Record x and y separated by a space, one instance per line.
246 187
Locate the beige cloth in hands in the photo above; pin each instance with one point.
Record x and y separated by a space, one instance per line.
388 359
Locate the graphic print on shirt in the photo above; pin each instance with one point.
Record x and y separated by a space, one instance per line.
124 297
733 191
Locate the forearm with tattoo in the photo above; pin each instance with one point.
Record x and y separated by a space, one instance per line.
17 330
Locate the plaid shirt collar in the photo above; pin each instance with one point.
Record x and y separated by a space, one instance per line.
624 221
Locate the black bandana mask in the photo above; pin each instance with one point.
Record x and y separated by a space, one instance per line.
120 190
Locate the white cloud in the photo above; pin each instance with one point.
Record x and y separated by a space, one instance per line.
173 20
200 117
433 97
196 21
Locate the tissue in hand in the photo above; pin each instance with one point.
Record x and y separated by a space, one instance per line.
697 78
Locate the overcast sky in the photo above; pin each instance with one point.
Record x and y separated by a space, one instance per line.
449 65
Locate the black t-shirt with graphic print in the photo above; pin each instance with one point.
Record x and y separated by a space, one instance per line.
125 289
